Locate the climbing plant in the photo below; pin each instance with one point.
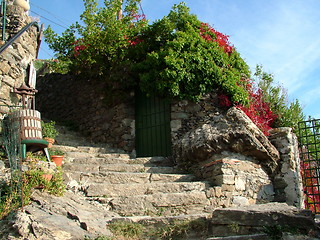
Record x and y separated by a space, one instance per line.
177 56
182 57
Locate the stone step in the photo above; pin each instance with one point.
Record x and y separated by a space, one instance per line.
120 167
88 179
102 159
155 220
94 160
115 190
161 204
91 155
261 236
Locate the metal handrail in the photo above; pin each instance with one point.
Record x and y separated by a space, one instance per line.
15 37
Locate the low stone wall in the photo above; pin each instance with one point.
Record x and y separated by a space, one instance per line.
242 181
86 103
288 181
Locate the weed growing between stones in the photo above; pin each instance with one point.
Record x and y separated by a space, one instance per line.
276 232
174 230
234 227
11 198
127 229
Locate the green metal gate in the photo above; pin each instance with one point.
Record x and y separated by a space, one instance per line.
153 132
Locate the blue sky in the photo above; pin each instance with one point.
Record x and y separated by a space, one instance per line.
281 35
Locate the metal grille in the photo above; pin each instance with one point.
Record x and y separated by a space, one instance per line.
309 136
11 139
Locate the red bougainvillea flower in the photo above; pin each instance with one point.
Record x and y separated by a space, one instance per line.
258 110
78 47
223 40
224 100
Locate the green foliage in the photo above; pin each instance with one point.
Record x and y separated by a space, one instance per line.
126 229
169 58
49 130
55 152
11 197
100 44
275 232
172 230
176 61
181 229
289 114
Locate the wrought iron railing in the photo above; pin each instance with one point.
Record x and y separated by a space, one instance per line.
309 139
17 35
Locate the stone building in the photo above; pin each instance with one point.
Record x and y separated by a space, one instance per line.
16 59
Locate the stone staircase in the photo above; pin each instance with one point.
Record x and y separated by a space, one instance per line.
148 191
134 186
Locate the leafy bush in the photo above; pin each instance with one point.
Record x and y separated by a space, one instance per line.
99 45
49 130
10 194
177 56
185 58
289 114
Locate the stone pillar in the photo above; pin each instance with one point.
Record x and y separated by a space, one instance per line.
288 181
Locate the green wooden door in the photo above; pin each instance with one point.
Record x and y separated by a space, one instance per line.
153 132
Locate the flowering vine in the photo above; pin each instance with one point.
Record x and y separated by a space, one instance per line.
210 34
257 110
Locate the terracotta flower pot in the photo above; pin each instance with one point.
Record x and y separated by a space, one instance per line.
57 159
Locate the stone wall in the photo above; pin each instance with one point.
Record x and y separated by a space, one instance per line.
187 115
288 181
15 60
238 180
103 115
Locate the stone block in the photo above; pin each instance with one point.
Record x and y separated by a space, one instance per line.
255 217
240 183
240 201
223 179
5 67
179 115
175 125
218 191
227 188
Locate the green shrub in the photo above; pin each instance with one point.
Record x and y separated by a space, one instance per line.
49 130
10 194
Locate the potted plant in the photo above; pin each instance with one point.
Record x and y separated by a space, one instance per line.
56 157
38 164
49 132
